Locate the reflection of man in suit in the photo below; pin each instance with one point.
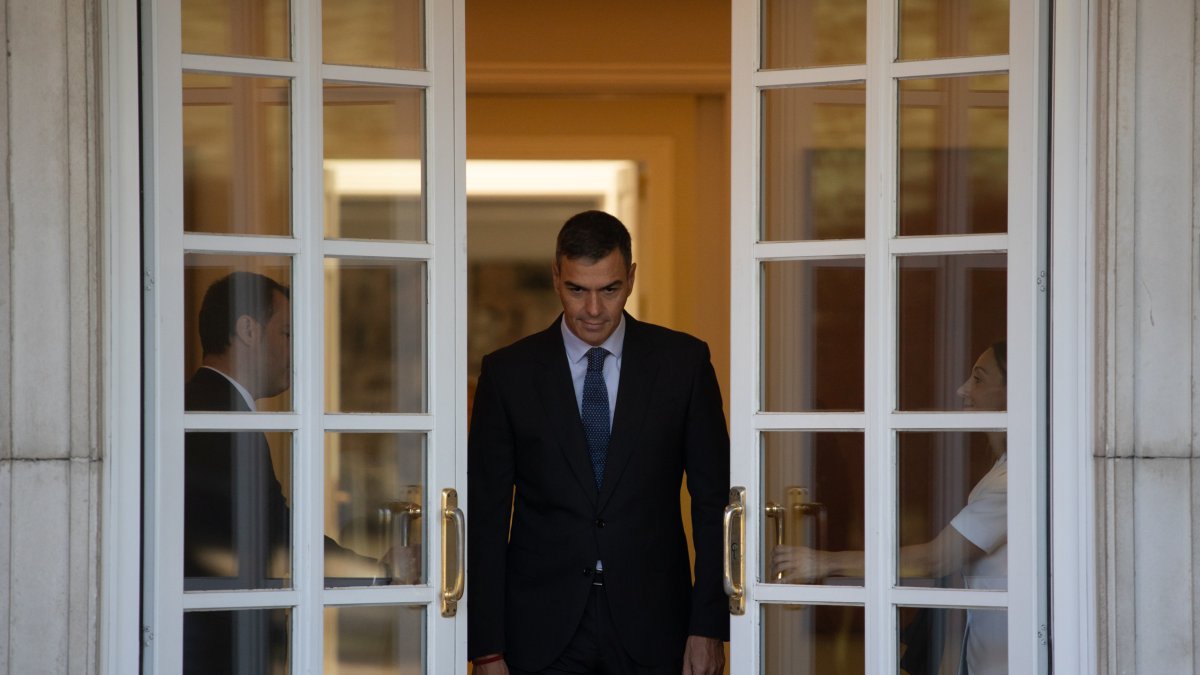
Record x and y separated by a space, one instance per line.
593 576
237 524
236 519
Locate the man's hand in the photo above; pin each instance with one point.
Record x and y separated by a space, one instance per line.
498 667
403 564
703 656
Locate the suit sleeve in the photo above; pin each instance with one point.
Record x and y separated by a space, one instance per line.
489 504
707 465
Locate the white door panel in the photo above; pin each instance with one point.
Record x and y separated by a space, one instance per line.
888 228
252 111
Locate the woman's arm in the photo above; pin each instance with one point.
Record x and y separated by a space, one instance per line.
946 553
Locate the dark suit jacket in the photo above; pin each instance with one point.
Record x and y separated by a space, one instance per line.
230 490
528 589
230 493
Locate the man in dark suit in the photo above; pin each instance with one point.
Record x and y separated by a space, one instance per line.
592 576
237 524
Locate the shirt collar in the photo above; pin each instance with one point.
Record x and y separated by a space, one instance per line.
577 349
237 385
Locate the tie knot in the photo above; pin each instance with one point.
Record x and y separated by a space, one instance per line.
595 357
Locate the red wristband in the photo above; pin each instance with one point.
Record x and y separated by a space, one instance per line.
487 659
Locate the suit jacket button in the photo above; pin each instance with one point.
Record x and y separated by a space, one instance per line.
599 522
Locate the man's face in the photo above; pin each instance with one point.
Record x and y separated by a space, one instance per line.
593 294
985 388
276 349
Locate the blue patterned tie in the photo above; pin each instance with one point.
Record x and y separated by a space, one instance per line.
594 411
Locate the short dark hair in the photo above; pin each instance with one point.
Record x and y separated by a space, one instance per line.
593 235
233 296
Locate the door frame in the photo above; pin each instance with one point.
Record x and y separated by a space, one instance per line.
1073 364
120 638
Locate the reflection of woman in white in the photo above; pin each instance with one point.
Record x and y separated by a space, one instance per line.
975 542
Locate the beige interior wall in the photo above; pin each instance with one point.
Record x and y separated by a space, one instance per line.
610 81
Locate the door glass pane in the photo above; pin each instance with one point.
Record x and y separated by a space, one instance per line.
814 162
374 162
237 157
812 640
237 527
931 640
382 33
240 642
812 351
813 502
932 29
805 33
374 639
953 506
374 484
953 155
257 28
952 308
238 321
375 352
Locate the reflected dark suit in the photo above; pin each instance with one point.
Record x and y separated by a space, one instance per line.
234 512
528 589
230 494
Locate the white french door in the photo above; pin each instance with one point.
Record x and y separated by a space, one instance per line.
317 146
888 228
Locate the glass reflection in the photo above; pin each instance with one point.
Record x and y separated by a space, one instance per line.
237 527
953 155
932 29
812 335
237 157
951 308
813 492
380 33
374 639
972 546
812 640
255 28
374 162
806 33
238 321
957 479
814 163
931 641
375 318
373 502
240 642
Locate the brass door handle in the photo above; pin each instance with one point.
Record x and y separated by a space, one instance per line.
453 516
734 560
775 513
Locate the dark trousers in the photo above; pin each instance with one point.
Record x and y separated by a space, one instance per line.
596 649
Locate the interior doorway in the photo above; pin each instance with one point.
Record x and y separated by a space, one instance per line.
572 81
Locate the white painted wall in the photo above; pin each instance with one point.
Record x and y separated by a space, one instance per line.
49 339
1148 458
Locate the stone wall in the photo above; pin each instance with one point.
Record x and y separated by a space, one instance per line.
1148 457
50 340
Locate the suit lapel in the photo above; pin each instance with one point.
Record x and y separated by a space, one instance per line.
638 371
558 396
